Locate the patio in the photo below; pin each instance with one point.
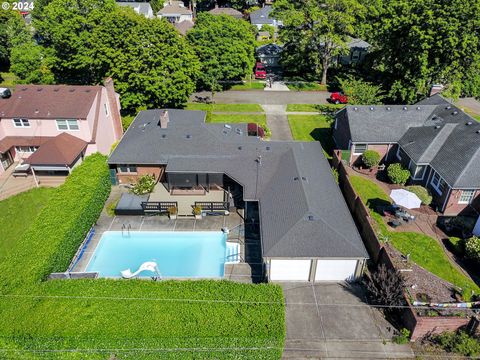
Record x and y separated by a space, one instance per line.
185 201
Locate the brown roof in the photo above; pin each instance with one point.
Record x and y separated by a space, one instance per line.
49 101
174 8
63 149
227 11
184 26
7 142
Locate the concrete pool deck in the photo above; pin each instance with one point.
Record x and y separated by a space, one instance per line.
234 222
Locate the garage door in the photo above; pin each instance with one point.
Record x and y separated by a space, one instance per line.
290 270
335 270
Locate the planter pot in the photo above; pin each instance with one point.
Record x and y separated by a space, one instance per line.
198 217
173 217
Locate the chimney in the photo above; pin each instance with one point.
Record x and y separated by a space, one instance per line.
164 119
216 4
114 107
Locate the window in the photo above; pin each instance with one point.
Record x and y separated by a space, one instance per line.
359 149
466 196
438 183
355 55
26 149
126 169
417 171
70 124
21 123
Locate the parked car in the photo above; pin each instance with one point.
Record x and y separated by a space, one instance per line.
260 71
338 98
5 93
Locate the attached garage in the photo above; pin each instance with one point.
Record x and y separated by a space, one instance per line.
315 269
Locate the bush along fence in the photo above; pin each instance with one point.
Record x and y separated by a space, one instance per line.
419 326
61 226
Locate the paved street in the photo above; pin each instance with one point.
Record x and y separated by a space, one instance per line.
267 97
330 320
470 104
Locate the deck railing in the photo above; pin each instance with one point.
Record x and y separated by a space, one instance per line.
158 206
212 205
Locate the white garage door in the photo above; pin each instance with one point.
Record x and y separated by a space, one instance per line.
335 270
291 270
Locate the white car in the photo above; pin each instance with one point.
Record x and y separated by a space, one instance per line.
5 93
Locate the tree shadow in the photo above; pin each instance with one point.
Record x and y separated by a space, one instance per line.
324 136
378 205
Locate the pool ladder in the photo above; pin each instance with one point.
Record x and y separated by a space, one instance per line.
127 229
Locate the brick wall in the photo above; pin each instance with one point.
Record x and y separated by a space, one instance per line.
130 178
419 326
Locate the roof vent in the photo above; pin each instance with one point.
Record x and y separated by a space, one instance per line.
239 148
227 126
304 178
455 112
238 131
311 218
24 89
267 148
87 91
372 108
56 89
39 89
437 127
478 131
469 123
164 136
72 90
36 111
448 107
389 108
419 108
188 136
355 108
405 108
295 178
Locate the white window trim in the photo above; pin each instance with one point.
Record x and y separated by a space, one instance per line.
469 201
119 171
22 123
437 187
68 125
355 148
416 166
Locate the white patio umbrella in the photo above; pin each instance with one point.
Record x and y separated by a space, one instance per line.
405 199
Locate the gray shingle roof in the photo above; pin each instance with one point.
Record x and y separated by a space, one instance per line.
286 200
142 8
433 132
262 16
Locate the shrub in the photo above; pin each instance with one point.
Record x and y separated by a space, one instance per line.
335 174
397 174
457 246
371 158
386 287
197 210
472 248
403 337
52 240
110 208
422 193
144 185
459 342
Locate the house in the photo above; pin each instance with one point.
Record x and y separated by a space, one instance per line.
175 12
184 26
435 140
52 127
142 8
357 50
269 55
226 11
261 17
285 187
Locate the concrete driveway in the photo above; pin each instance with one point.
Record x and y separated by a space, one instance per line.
267 97
331 320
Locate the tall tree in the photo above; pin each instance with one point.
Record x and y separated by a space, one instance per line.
12 31
360 92
315 31
225 47
422 42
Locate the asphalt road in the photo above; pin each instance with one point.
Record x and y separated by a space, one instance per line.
267 97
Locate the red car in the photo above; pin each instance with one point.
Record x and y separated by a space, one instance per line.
260 71
338 98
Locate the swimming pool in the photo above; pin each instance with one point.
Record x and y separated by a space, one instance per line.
178 254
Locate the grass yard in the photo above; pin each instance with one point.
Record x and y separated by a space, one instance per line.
330 108
124 319
8 79
423 250
313 128
126 121
18 213
225 107
305 86
249 85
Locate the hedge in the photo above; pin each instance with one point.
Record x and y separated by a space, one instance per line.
371 158
398 174
422 193
223 319
51 241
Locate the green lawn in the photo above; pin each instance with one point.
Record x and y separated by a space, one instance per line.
260 119
423 250
313 128
7 79
249 85
330 108
18 213
124 319
126 121
225 107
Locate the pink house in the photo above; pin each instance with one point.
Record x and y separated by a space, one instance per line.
52 127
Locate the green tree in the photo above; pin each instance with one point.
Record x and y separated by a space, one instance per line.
225 47
360 92
30 63
12 31
315 31
422 42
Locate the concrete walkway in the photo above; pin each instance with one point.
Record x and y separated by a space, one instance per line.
277 122
267 97
334 321
277 86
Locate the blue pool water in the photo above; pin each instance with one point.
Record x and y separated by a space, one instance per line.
178 254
